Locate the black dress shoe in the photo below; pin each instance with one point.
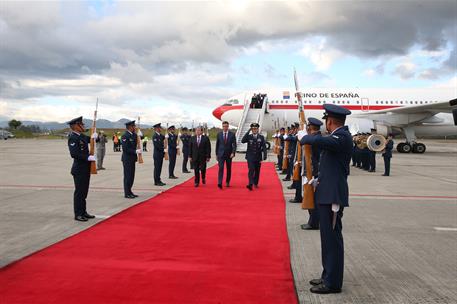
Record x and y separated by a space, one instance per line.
160 184
219 186
172 177
322 289
292 201
286 179
385 175
89 216
134 195
316 282
309 227
196 185
204 181
227 184
80 218
186 171
129 196
249 187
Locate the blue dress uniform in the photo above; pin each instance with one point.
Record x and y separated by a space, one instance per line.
129 158
255 153
185 139
158 155
172 152
79 151
292 139
313 221
387 155
332 194
281 150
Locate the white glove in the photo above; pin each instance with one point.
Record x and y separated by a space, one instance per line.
335 207
94 135
166 135
314 182
139 151
140 133
91 158
165 150
304 180
285 136
300 134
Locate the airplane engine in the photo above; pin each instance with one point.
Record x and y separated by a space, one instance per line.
376 142
454 113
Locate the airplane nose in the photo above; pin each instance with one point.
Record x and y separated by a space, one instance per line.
218 112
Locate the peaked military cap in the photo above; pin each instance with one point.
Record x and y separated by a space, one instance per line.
332 110
75 120
184 129
255 125
157 125
129 123
171 127
314 121
282 129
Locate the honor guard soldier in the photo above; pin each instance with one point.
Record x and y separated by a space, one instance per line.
387 155
282 131
312 129
200 154
255 153
332 195
172 151
159 153
185 139
129 157
225 151
78 145
292 139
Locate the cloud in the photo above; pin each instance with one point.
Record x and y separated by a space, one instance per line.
320 53
405 70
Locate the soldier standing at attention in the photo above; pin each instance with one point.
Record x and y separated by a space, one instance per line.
292 139
332 195
185 139
200 154
78 145
282 131
172 152
313 129
387 155
225 151
129 157
158 154
101 149
255 153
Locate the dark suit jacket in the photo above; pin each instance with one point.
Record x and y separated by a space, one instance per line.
224 150
200 152
333 166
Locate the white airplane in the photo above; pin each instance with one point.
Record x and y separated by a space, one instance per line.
411 112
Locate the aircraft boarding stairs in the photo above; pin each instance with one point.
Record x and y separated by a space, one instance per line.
250 115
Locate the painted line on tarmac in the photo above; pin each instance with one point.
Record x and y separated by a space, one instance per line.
445 229
396 197
64 187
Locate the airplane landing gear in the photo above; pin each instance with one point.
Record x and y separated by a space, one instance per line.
408 148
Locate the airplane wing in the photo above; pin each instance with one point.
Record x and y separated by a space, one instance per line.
432 108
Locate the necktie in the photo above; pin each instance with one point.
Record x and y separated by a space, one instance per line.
198 141
225 137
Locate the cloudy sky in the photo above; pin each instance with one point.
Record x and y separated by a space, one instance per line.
176 61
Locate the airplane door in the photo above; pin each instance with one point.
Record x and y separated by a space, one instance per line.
365 104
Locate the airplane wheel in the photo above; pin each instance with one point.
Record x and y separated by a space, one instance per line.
404 148
419 148
400 147
268 145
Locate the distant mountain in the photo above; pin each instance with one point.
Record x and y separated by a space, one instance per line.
53 125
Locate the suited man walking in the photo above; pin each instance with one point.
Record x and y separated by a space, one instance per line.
225 151
387 155
200 154
255 153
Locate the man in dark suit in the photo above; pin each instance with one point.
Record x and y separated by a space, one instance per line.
158 154
78 144
225 151
129 157
200 154
172 151
185 139
332 195
255 153
387 155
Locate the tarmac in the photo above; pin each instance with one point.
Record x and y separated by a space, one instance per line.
400 232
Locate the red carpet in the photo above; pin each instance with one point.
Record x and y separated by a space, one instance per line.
186 245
